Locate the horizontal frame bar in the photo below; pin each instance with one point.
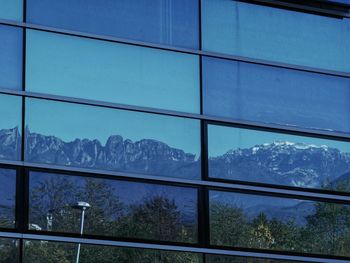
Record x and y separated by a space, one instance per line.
169 248
324 134
224 186
332 9
175 49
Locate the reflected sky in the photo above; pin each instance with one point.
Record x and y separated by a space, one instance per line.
10 57
69 121
223 138
11 111
275 95
100 70
276 34
171 22
11 9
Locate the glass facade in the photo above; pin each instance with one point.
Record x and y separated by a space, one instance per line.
111 72
10 57
174 131
125 141
275 34
11 9
169 22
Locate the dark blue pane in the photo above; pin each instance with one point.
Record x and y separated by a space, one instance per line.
117 208
276 223
275 34
7 198
279 159
10 127
10 57
170 22
109 139
266 94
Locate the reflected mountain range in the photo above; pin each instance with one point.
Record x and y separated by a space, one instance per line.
281 163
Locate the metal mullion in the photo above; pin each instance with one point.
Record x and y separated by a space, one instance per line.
292 130
215 251
222 186
176 49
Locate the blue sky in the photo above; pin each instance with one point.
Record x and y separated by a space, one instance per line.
100 70
69 121
223 138
11 111
293 37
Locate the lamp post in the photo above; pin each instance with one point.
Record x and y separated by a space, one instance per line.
82 206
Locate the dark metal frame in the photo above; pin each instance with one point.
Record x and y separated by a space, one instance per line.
319 7
203 186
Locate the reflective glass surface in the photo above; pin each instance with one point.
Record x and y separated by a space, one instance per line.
280 159
274 223
245 91
115 208
170 22
10 127
232 259
274 34
99 70
7 198
10 57
119 140
49 251
9 252
11 9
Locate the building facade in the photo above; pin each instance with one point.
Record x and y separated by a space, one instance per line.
199 131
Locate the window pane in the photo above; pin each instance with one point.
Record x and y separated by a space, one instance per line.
10 127
260 93
99 70
119 140
232 259
10 57
9 252
285 224
280 159
118 208
11 9
48 251
7 199
170 22
280 35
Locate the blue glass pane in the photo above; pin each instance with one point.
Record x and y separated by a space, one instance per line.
51 251
7 198
170 22
276 223
10 57
99 70
233 259
261 32
10 127
11 9
279 159
258 93
9 250
116 208
118 140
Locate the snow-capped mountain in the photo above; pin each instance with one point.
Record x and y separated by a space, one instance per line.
283 163
280 162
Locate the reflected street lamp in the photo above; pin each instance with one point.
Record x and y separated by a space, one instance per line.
82 206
